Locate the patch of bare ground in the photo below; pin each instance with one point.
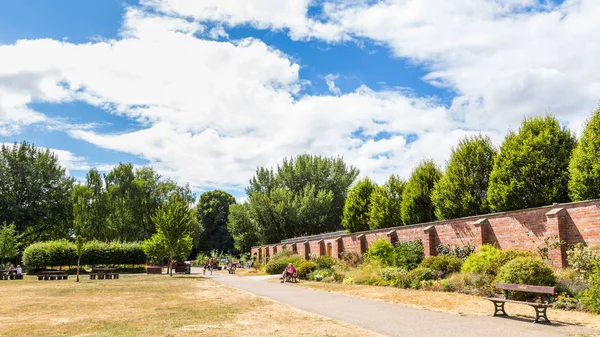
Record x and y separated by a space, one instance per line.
455 303
151 305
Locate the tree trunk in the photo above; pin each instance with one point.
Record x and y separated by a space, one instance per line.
78 264
171 265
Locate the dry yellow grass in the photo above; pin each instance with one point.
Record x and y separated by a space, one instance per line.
151 305
249 272
454 303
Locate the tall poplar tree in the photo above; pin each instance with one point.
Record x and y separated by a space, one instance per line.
584 168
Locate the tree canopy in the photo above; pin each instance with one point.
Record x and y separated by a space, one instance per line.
304 195
35 193
584 168
175 225
416 205
462 190
9 242
357 207
385 204
212 211
532 167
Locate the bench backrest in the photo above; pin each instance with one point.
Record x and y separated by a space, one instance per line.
526 288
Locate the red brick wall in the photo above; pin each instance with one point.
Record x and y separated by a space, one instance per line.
522 230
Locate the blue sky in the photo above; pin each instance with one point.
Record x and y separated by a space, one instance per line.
205 92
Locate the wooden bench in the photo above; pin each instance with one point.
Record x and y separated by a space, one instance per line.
540 308
104 276
6 277
52 275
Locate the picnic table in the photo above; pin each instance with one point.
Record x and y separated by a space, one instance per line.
103 273
10 275
52 275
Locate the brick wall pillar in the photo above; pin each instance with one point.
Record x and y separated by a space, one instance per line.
429 241
363 243
392 237
267 254
482 228
557 231
322 248
306 250
338 247
294 248
274 250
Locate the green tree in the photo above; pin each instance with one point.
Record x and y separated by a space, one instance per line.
584 168
304 196
531 169
212 212
35 193
385 204
357 207
416 205
174 222
242 227
462 190
9 242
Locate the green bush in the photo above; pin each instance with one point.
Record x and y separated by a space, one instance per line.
325 262
277 266
581 258
381 251
50 254
446 264
418 275
350 259
409 254
305 268
490 259
366 273
471 283
63 253
462 252
392 273
526 270
321 274
590 298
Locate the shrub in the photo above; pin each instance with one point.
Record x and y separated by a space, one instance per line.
462 252
325 262
418 275
381 251
50 254
392 273
320 274
446 264
277 266
526 270
366 273
489 259
351 259
581 258
590 298
409 254
305 268
470 283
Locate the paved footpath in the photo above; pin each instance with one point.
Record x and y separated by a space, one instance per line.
395 319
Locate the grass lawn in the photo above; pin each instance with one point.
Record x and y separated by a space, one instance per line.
151 305
455 303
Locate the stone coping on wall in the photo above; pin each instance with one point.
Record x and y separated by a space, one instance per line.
474 218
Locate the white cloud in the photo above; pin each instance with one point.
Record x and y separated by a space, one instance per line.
212 111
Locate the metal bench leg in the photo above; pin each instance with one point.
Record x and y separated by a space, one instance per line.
540 313
499 309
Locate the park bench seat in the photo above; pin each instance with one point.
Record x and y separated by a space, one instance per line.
540 308
6 277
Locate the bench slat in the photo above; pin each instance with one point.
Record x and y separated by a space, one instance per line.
533 304
526 288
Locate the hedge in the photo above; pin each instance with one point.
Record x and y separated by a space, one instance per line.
64 253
